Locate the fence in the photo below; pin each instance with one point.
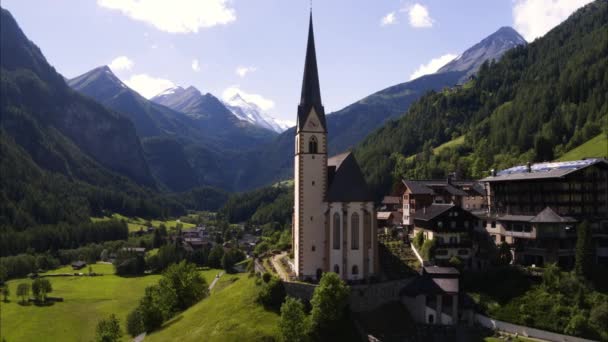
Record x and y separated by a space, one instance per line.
525 331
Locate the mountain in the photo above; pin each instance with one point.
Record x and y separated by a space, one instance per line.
61 130
248 111
490 48
534 104
350 125
213 118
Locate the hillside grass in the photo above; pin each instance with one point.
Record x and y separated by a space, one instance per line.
450 144
86 301
595 147
231 313
137 223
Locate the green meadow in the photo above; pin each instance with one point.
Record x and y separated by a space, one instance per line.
137 223
86 300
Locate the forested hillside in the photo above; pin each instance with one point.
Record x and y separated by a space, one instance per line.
534 104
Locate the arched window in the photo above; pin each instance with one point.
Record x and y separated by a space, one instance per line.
354 231
355 270
312 145
336 231
336 269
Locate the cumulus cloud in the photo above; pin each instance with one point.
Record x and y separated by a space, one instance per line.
195 65
259 100
242 71
419 16
389 19
148 86
175 16
432 66
534 18
121 63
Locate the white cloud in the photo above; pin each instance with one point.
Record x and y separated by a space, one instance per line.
175 16
242 71
121 63
148 86
534 18
195 66
432 66
389 19
419 16
259 100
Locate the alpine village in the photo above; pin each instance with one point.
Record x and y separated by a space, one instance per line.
469 203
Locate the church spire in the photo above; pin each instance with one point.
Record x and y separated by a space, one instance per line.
311 92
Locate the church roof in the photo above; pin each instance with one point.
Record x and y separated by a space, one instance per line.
311 91
346 181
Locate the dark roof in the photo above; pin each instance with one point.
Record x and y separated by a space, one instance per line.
454 191
79 263
550 216
432 211
311 91
418 188
346 181
391 200
543 170
440 270
425 284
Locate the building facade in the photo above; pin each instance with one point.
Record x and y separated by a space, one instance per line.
536 208
334 221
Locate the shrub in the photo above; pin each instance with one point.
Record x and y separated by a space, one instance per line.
135 324
328 301
428 249
108 330
418 240
266 277
272 294
293 323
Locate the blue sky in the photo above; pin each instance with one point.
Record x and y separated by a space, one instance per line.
256 47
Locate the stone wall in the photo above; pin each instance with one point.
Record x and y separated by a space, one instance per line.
362 297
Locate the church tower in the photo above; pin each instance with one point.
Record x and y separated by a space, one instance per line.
310 177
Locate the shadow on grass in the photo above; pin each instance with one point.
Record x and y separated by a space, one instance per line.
171 322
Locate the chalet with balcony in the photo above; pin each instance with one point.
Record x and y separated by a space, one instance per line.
451 227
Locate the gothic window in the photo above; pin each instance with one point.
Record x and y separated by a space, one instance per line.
354 231
337 269
355 270
312 145
336 231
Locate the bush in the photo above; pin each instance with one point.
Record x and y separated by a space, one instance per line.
108 330
272 294
428 249
215 256
418 240
266 277
40 288
293 323
328 302
135 324
231 258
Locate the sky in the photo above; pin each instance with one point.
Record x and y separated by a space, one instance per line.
256 47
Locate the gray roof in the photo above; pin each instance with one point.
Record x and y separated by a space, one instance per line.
550 216
418 188
543 170
440 270
346 181
430 284
432 211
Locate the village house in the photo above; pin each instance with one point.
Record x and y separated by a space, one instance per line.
535 208
434 297
390 212
418 194
451 228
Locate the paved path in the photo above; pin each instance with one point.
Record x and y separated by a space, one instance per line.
276 262
215 280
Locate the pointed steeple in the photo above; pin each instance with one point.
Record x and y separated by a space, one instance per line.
311 92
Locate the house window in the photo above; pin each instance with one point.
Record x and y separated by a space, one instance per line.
336 231
312 144
355 270
313 248
337 269
493 224
313 183
354 238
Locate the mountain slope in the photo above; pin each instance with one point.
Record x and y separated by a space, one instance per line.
212 117
536 102
490 48
348 126
62 130
250 112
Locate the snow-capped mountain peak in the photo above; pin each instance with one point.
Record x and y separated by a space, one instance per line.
250 112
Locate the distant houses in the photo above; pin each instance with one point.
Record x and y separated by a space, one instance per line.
78 265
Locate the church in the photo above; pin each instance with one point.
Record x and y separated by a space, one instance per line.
334 220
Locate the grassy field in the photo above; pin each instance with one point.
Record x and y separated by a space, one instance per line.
229 314
137 223
450 144
86 300
595 147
